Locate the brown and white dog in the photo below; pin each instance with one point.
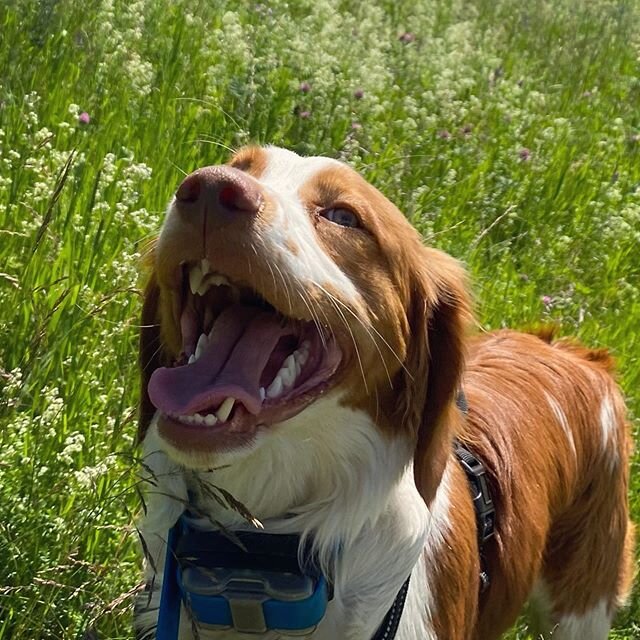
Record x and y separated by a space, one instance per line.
303 350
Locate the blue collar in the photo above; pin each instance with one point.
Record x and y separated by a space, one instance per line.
250 581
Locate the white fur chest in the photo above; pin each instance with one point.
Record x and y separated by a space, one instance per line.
348 487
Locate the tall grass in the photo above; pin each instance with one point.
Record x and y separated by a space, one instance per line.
508 132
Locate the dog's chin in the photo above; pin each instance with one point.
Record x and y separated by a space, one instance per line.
200 458
218 450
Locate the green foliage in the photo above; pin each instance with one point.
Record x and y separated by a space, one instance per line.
508 132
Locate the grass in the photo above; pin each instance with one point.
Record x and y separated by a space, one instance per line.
507 131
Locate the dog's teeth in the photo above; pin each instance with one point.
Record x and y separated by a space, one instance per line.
204 263
210 419
195 278
263 394
201 346
288 371
211 280
299 359
218 280
225 409
303 352
198 419
204 287
275 388
290 363
192 358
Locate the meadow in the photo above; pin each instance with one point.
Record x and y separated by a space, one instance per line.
507 131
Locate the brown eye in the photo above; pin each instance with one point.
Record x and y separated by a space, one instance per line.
340 215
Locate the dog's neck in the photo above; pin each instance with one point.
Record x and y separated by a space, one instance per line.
330 474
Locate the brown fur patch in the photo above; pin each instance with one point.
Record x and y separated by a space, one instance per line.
251 160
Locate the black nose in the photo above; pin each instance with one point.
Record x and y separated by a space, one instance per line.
219 190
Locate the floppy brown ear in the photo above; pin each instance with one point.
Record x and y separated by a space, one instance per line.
438 317
150 353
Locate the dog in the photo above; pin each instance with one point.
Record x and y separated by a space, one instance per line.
303 352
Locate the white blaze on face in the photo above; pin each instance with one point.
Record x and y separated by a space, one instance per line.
284 176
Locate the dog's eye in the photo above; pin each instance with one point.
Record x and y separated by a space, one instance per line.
340 215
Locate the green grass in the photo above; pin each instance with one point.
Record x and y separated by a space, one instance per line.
508 131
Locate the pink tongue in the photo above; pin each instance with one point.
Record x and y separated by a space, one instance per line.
239 348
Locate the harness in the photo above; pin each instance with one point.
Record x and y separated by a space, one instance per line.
257 582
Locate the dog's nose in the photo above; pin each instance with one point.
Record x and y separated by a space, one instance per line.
220 191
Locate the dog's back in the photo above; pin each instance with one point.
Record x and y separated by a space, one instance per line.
549 422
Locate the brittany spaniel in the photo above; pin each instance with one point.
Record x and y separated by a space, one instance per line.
303 353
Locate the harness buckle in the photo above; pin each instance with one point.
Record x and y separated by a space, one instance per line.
481 494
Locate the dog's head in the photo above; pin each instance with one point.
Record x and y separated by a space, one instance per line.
278 280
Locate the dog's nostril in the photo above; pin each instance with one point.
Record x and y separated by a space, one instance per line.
228 197
238 197
189 190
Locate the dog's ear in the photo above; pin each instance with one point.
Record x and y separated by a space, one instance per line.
438 316
150 354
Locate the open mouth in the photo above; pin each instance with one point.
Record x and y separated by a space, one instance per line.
243 365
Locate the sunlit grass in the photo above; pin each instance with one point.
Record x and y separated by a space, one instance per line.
508 132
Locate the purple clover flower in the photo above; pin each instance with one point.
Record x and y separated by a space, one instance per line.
524 154
407 37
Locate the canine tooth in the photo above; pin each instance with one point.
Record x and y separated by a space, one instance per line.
202 345
225 409
192 358
195 279
210 419
275 388
263 394
205 266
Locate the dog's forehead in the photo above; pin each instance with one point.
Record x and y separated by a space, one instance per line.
286 171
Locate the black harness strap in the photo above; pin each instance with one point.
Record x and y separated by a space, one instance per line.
480 493
389 626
